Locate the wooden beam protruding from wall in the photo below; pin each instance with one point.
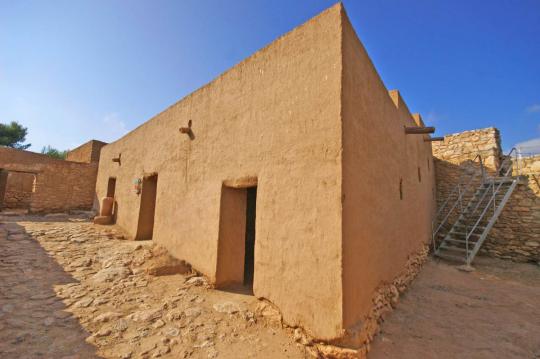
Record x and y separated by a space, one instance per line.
419 130
434 139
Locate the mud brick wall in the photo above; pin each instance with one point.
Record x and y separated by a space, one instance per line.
86 153
516 234
19 188
59 185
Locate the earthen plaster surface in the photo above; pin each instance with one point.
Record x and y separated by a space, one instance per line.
308 120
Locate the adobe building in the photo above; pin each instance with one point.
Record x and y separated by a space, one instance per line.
40 183
292 173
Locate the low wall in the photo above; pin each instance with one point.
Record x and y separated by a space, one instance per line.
516 234
59 185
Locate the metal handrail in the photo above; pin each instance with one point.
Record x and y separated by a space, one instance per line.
488 205
461 194
507 160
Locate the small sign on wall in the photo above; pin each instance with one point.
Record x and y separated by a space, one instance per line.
137 185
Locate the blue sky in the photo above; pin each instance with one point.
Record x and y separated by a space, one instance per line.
75 70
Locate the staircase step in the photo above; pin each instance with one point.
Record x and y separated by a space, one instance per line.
469 227
460 241
465 234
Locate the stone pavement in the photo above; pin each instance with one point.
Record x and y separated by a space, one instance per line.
69 289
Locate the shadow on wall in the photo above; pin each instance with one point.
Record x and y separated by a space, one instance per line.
516 234
35 322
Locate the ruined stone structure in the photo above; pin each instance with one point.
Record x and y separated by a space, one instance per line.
516 234
291 173
40 183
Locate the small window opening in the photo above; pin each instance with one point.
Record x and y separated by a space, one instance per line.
401 188
428 164
419 175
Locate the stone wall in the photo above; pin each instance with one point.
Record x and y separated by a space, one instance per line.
59 185
516 234
19 189
86 153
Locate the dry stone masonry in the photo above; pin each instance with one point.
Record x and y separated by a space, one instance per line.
516 234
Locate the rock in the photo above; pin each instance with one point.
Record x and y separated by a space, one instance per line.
121 325
103 332
212 353
227 307
107 316
158 324
300 337
83 303
172 332
196 281
193 312
162 263
145 315
111 274
269 312
48 321
466 268
160 351
205 344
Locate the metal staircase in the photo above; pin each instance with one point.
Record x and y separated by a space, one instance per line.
471 210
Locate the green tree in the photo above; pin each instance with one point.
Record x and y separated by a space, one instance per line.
13 135
53 152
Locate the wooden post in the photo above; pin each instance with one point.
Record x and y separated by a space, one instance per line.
419 130
433 139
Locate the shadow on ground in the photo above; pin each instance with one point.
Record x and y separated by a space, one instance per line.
34 322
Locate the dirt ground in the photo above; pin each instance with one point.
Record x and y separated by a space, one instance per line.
493 312
69 289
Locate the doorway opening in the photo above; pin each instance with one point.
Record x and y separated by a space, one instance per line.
111 187
236 244
17 189
111 190
249 258
145 228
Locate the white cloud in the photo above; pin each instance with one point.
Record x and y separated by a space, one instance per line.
529 147
113 127
533 108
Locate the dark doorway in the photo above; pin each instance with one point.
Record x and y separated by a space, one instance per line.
236 245
111 190
249 259
111 187
145 228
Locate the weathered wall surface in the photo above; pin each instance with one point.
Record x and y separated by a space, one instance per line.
274 116
516 234
381 227
59 185
86 153
19 188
